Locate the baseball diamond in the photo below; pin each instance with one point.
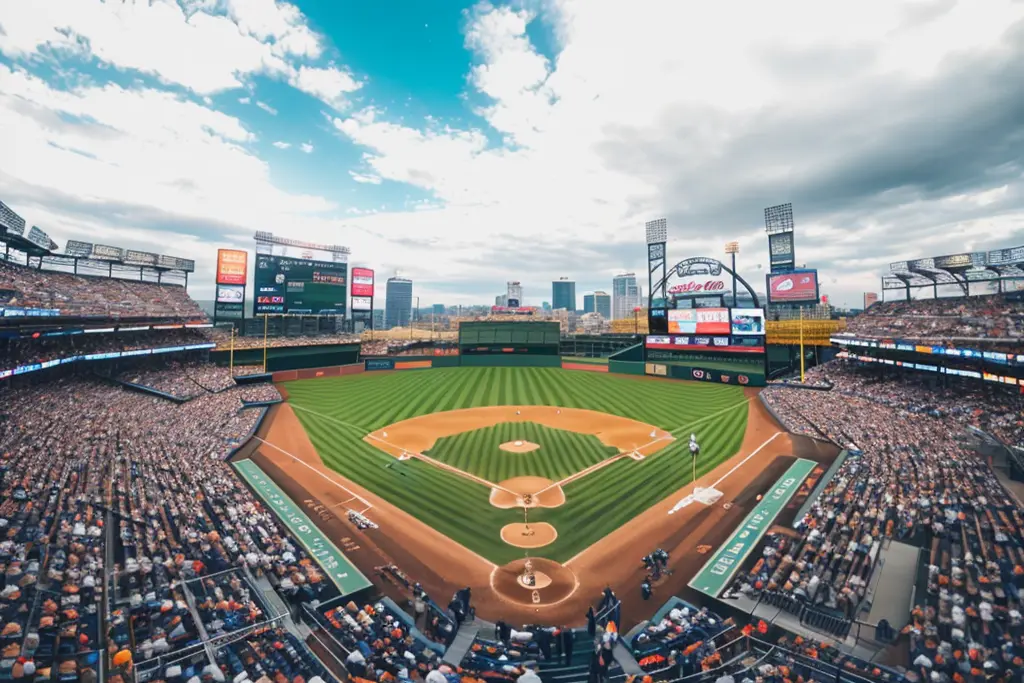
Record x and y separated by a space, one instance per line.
448 485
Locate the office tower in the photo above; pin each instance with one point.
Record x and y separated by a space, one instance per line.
563 294
625 295
398 302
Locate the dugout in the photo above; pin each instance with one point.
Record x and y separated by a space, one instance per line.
509 344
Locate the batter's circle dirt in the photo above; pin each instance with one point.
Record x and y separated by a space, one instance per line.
536 535
506 585
519 446
527 492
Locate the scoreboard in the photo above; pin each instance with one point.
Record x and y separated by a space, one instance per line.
711 340
295 286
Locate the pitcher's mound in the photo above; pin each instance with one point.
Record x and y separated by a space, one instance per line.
536 535
527 492
519 446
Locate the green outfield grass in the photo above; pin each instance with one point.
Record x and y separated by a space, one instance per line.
338 412
561 453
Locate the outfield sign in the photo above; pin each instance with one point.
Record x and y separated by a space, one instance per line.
342 572
380 363
719 570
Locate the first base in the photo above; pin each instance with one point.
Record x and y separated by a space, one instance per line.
708 496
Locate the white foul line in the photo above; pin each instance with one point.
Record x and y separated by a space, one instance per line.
681 503
321 474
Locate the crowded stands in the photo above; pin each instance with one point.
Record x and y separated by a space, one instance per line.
908 478
88 296
994 317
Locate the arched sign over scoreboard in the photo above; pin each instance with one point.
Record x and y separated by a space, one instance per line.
697 278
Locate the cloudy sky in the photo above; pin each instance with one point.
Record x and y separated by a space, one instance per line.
464 145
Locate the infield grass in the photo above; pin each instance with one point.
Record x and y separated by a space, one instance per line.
338 412
561 453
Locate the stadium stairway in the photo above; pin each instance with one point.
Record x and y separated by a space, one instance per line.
463 641
578 672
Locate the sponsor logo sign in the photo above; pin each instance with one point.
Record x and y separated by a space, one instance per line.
232 266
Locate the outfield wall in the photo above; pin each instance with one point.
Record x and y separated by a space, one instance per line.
312 373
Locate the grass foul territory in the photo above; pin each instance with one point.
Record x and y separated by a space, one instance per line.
338 412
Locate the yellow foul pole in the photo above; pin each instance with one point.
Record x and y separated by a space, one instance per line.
265 319
801 345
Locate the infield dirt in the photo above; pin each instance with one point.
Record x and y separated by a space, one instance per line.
443 566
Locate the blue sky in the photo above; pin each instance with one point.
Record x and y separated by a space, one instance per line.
467 144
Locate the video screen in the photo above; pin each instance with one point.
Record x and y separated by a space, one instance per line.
718 339
300 286
795 287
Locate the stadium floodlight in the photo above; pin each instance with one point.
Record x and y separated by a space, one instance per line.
657 231
778 219
732 247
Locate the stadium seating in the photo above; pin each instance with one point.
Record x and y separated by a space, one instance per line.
994 317
910 479
88 296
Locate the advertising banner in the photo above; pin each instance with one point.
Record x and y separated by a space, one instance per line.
748 321
336 566
140 258
1000 257
870 298
793 287
379 364
712 320
720 568
682 321
362 282
175 263
230 294
361 303
102 252
78 249
232 266
39 238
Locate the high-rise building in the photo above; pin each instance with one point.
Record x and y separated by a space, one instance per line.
598 302
398 302
378 319
545 305
563 294
514 295
501 300
438 309
625 295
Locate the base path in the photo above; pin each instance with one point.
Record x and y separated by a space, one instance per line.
418 434
443 566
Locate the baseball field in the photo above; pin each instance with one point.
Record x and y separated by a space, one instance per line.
463 449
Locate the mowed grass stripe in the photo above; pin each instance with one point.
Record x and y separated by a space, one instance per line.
596 504
561 452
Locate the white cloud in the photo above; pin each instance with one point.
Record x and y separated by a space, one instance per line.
330 84
150 37
570 156
266 107
282 145
365 178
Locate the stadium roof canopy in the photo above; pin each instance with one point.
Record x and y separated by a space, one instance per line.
955 269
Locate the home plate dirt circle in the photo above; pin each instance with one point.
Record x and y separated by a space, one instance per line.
536 535
527 492
561 582
519 446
